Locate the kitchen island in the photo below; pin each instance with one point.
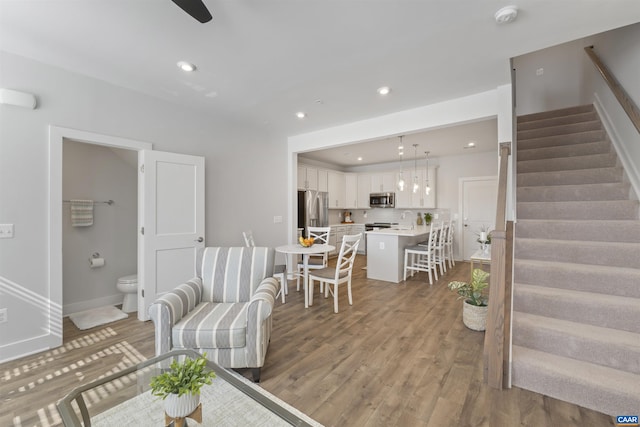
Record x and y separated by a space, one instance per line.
385 251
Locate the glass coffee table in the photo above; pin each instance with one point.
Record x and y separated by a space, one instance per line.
124 399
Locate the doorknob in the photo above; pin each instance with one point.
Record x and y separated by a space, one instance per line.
466 225
199 240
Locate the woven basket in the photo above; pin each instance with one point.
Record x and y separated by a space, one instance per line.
474 317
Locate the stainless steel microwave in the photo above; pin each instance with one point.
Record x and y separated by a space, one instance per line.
382 200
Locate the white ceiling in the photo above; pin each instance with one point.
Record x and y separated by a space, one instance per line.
438 142
260 61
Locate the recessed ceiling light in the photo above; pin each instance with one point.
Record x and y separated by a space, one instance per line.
359 159
301 114
506 14
186 66
470 144
384 90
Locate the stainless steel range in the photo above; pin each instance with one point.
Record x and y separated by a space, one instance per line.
379 225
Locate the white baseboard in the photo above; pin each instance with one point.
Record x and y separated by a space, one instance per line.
16 350
630 168
76 307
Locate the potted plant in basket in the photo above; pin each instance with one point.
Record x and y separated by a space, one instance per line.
180 385
474 308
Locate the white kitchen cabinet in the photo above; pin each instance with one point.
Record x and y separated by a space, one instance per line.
359 229
420 199
364 189
383 182
338 233
403 198
323 183
307 178
351 191
336 183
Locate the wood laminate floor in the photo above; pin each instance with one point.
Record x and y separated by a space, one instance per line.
400 356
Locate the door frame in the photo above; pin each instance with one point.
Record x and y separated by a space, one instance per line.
460 221
57 135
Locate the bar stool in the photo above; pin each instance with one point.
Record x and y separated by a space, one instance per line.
421 257
448 245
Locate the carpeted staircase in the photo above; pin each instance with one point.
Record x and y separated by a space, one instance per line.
576 298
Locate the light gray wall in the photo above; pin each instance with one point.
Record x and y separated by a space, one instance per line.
246 176
561 84
98 173
620 51
571 79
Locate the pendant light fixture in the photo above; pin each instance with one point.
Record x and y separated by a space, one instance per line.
401 182
416 180
427 188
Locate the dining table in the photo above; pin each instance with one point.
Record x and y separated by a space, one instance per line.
305 251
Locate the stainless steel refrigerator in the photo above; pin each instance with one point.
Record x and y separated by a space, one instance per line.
313 209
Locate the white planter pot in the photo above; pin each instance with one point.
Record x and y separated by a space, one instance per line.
180 406
474 317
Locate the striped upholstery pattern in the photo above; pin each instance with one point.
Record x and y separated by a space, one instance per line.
225 272
225 311
212 325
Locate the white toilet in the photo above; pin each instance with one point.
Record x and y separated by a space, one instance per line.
129 286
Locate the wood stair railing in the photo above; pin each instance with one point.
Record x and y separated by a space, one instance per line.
621 95
497 338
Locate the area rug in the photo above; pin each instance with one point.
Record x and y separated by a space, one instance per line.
97 316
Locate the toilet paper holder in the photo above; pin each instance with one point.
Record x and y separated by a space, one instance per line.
95 255
96 261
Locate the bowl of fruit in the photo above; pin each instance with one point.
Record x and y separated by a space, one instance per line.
308 242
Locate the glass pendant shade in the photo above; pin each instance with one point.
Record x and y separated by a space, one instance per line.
401 182
427 188
416 180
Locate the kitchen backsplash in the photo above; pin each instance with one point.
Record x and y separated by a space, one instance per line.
364 216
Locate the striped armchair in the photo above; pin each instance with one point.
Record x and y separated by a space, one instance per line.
225 310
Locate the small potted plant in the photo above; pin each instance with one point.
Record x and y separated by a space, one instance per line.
474 308
180 385
484 237
427 218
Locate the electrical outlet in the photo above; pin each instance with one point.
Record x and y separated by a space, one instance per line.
6 231
3 315
539 71
277 219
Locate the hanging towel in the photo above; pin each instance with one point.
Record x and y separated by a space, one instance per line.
81 213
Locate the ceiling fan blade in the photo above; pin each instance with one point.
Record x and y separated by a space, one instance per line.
195 8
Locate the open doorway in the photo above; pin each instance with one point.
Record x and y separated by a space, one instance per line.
99 223
57 138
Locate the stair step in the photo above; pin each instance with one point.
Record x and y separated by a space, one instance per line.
566 193
559 130
571 111
619 281
607 311
608 209
567 163
603 346
559 140
572 177
587 148
592 230
615 254
558 120
585 384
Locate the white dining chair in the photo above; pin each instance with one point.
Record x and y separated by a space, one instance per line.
332 277
279 270
316 261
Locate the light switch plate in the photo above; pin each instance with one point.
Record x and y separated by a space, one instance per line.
6 231
277 219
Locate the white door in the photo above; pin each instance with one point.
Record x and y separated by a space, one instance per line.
479 197
171 213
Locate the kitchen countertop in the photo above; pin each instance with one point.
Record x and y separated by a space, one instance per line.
346 223
402 230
